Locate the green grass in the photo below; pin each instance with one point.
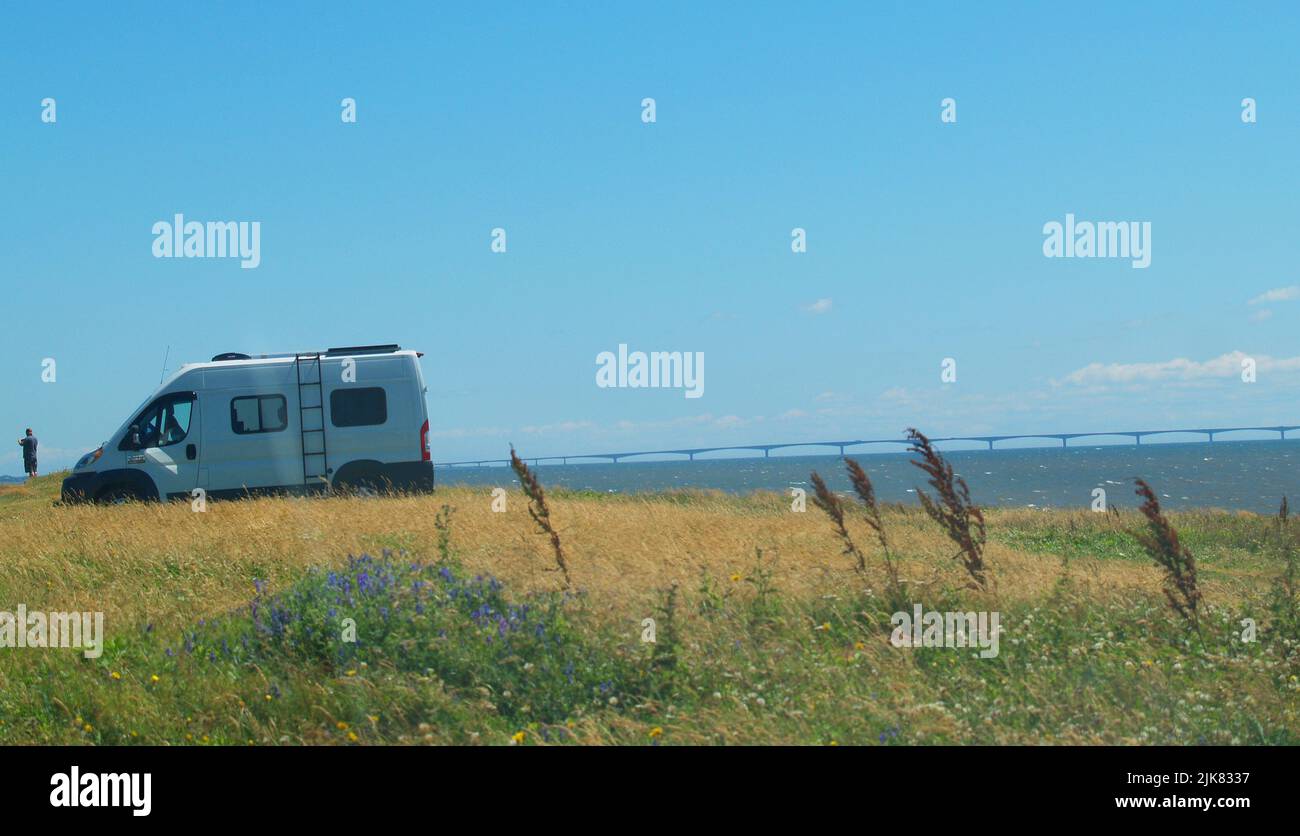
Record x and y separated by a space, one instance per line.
445 655
447 658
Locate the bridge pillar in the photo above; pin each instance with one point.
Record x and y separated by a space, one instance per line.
1283 435
767 453
1138 439
841 451
692 455
1211 435
1063 441
990 444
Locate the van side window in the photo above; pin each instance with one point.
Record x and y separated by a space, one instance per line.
358 407
258 414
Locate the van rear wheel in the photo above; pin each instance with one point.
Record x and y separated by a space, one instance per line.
362 478
360 487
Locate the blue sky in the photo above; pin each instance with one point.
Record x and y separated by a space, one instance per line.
925 237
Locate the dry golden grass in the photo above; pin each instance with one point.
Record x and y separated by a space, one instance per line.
167 565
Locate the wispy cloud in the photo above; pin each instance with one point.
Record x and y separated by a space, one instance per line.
1278 294
559 427
469 432
821 306
1179 369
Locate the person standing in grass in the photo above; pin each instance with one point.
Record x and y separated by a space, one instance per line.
29 453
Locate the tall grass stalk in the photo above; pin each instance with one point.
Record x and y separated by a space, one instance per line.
953 510
538 510
1162 544
826 500
867 493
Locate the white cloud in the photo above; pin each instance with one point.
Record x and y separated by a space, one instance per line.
561 427
1178 369
821 306
685 422
469 432
1278 294
1261 315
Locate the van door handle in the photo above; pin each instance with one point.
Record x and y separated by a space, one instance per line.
191 452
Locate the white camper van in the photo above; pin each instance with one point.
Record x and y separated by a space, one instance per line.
346 418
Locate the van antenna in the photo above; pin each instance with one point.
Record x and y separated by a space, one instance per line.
166 355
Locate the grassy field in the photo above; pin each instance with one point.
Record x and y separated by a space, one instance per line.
227 626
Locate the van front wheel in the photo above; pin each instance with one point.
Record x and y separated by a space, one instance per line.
119 495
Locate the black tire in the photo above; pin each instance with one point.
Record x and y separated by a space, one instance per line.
362 479
368 486
118 495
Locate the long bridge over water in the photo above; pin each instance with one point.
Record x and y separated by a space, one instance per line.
692 452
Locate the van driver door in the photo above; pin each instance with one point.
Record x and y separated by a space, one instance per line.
163 442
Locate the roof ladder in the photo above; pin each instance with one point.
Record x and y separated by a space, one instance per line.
311 421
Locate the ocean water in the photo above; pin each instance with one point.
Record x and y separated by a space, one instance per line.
1234 475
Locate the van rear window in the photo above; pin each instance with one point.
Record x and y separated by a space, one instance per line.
363 407
258 414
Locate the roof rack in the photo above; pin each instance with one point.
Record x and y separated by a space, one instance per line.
349 350
365 349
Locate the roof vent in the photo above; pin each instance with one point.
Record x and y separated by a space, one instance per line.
230 355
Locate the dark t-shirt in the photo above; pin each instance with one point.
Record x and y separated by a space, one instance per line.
29 448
